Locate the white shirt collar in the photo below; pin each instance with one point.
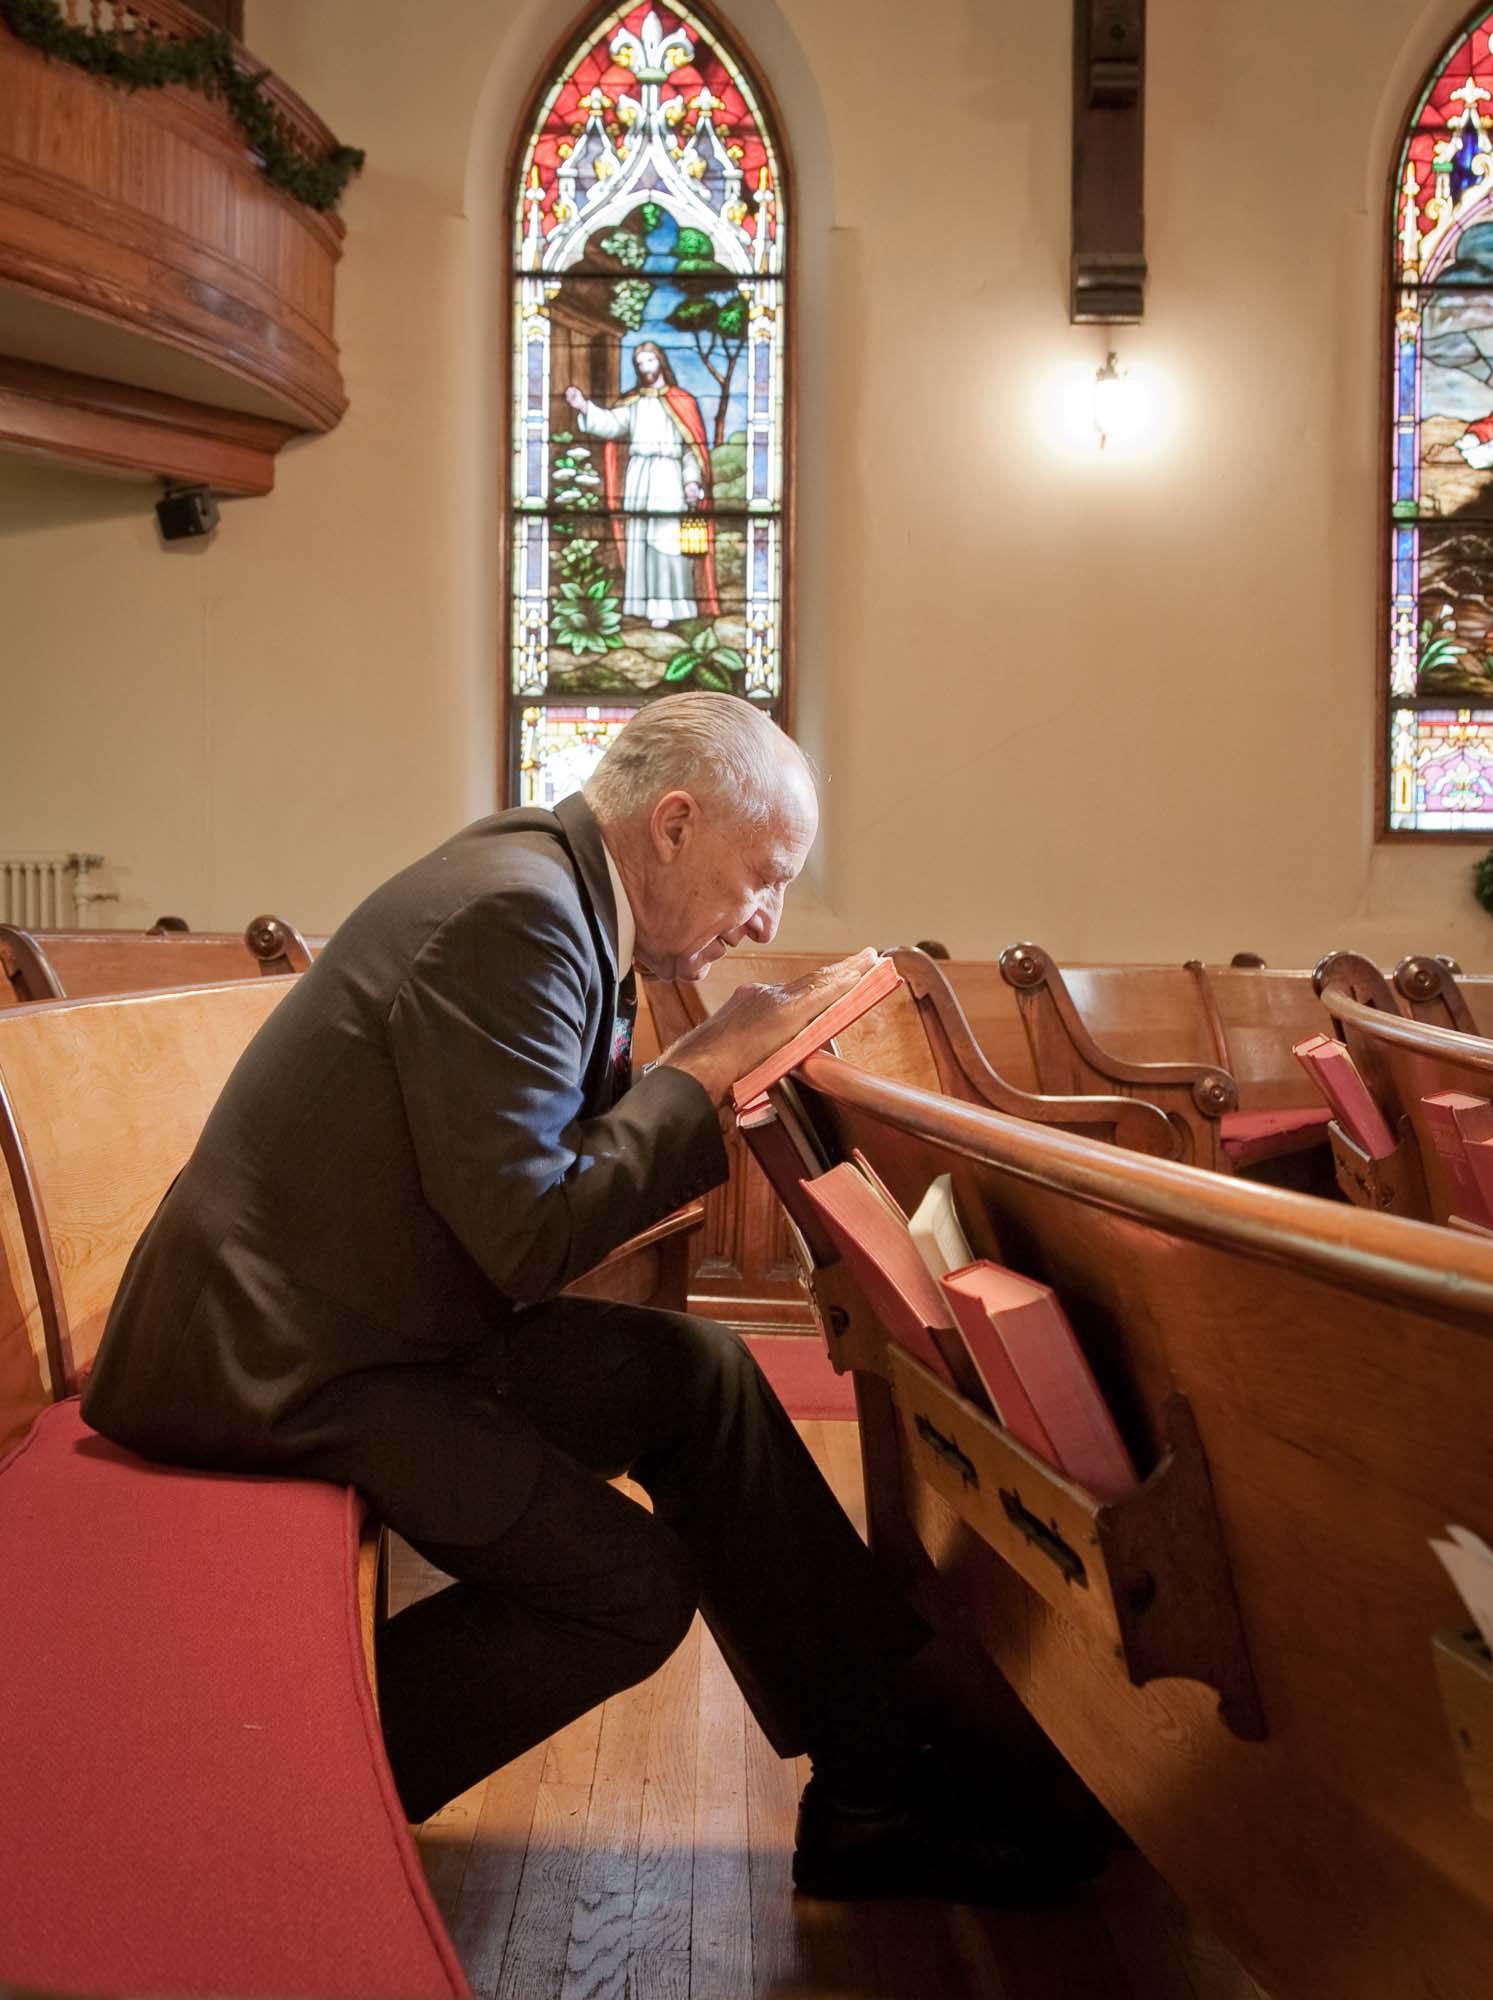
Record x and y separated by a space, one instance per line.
627 929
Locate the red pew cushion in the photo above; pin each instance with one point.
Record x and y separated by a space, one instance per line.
194 1797
1247 1136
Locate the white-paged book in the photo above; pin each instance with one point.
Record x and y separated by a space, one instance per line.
1469 1563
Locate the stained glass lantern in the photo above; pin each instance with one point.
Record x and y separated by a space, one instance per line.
1439 667
649 384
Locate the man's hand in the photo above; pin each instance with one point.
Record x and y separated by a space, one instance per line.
756 1020
575 398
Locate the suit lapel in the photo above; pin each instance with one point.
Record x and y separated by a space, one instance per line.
582 838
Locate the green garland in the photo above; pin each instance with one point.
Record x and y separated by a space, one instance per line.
148 61
1482 881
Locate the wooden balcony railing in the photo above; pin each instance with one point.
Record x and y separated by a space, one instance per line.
163 308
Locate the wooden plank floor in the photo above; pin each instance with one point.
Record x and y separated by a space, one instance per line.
642 1854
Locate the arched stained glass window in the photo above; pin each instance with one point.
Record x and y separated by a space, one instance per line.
648 405
1440 668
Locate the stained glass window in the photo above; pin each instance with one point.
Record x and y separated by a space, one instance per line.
1440 708
648 393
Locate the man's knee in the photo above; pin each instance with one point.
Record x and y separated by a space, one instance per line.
712 1358
661 1606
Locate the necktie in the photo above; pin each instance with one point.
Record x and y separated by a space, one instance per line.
627 1009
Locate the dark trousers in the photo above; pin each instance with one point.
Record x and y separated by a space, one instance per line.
580 1591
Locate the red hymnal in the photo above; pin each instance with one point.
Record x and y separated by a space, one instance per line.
1335 1074
881 1256
789 1155
1480 1160
1033 1367
1456 1122
867 990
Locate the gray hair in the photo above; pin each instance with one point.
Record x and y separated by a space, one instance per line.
721 749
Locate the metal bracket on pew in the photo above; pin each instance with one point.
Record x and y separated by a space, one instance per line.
1395 1185
853 1339
1464 1670
1148 1571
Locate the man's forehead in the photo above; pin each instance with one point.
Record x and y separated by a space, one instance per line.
784 847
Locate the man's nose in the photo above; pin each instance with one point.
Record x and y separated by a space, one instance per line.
764 924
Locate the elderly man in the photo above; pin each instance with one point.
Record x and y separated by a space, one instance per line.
354 1278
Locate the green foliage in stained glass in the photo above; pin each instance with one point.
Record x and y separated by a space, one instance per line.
706 663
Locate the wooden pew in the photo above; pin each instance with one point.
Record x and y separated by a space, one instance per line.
1438 991
748 1270
77 965
1404 1061
1210 1044
1239 1657
101 1102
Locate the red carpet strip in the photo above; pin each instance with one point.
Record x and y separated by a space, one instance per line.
800 1373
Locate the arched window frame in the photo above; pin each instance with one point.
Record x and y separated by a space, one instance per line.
1401 653
583 32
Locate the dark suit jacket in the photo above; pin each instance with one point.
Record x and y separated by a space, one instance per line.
420 1138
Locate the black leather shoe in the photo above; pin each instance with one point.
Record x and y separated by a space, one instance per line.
917 1848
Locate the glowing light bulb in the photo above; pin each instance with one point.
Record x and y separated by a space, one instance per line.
1113 401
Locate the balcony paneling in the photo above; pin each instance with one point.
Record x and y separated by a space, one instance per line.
140 246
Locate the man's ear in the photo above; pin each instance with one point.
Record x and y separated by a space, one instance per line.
673 823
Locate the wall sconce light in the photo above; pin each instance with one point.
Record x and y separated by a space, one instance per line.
1111 398
1108 267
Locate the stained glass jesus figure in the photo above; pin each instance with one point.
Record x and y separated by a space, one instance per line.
668 470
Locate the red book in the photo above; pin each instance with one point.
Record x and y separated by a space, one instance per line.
1044 1390
1480 1163
1335 1074
881 1256
789 1155
862 997
1456 1121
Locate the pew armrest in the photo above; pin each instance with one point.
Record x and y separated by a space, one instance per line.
277 944
373 1593
25 967
965 1071
651 1268
1036 979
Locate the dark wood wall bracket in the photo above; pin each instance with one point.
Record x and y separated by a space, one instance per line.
1108 271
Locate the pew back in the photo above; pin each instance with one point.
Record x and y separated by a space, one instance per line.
101 1102
1145 1013
1261 1014
1339 1369
79 965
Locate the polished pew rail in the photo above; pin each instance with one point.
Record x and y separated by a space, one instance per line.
747 1269
1339 1367
1008 1035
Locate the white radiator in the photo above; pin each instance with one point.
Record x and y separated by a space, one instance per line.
48 892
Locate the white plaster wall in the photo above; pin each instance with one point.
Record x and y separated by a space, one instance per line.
1124 705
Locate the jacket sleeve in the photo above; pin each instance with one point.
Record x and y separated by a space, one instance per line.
488 1039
